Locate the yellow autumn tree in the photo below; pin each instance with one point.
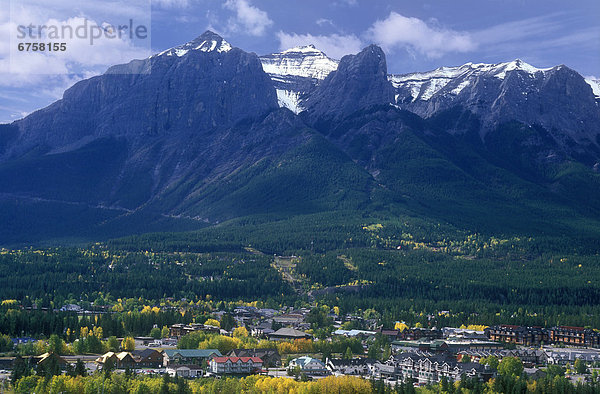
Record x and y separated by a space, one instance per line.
212 322
128 344
240 332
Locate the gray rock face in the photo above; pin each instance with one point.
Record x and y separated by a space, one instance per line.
202 85
559 99
359 82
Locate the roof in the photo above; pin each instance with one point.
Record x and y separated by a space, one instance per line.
144 353
181 366
302 361
121 356
45 356
353 333
351 362
192 353
290 332
472 366
253 352
102 359
220 360
569 328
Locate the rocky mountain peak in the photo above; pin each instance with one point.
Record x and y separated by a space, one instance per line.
303 61
296 72
359 82
207 42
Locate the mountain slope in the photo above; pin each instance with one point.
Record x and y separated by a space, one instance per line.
197 137
197 90
558 99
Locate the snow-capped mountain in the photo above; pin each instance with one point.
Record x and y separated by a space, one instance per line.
208 42
556 98
295 72
304 61
201 135
452 80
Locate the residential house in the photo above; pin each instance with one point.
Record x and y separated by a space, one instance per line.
235 365
120 360
355 333
288 333
125 360
421 345
526 336
456 345
148 358
463 333
569 355
106 358
270 357
188 356
47 358
575 336
391 334
179 330
432 369
417 333
309 365
184 371
289 319
354 366
263 329
380 370
477 355
529 357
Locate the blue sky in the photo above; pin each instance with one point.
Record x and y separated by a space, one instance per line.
416 35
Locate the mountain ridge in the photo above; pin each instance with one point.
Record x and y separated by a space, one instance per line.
200 135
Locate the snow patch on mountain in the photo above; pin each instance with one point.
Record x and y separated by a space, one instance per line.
304 61
290 100
595 84
460 87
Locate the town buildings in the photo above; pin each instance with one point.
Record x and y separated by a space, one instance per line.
235 365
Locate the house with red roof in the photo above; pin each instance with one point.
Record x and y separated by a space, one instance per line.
235 365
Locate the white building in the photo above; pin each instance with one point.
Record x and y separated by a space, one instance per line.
309 365
184 371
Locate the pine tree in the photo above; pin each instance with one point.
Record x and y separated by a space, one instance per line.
80 369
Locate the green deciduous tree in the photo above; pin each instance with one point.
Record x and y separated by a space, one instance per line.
510 366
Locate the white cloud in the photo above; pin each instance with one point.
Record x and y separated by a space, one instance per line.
50 73
248 18
325 21
334 45
415 35
80 55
